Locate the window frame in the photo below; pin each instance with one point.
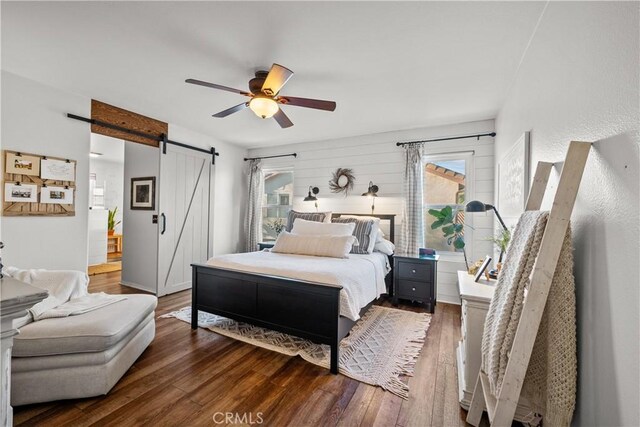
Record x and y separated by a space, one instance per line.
265 172
468 157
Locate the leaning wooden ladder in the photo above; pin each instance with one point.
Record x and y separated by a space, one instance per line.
501 408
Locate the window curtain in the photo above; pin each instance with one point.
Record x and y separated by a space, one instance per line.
412 232
253 220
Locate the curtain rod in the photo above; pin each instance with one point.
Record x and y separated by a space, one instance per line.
271 157
399 144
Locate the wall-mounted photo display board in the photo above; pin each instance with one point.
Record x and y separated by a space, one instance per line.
38 185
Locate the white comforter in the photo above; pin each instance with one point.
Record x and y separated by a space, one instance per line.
361 276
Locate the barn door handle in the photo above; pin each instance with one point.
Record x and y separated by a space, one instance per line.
164 223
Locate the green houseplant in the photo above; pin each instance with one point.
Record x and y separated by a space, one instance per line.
501 240
446 220
111 221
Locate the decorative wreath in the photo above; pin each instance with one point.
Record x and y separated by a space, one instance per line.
342 181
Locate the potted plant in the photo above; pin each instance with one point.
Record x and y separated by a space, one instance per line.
501 240
111 221
277 225
446 219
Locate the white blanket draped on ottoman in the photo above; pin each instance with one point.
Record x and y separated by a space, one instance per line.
550 382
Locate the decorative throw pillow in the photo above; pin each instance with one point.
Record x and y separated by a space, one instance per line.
365 232
323 246
384 246
379 233
309 216
307 228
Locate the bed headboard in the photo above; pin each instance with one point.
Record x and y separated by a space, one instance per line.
384 217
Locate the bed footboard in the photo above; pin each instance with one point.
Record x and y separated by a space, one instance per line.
304 309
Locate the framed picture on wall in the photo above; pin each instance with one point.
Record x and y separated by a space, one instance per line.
20 193
143 193
57 195
22 164
513 180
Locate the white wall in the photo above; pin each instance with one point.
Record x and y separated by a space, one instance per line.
579 81
376 158
139 234
111 175
34 120
229 198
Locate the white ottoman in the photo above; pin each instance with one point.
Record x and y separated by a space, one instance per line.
80 356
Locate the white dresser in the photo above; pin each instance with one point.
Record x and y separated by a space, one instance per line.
476 298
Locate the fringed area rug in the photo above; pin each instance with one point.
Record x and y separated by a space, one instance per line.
383 346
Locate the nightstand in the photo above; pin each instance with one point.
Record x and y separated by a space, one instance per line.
415 279
265 245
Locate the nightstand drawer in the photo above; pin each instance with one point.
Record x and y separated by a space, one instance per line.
415 271
419 291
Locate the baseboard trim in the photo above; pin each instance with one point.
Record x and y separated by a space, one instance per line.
137 286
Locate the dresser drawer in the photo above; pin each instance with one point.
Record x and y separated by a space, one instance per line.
415 271
419 291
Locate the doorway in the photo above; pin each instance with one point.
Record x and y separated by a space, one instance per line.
150 213
106 202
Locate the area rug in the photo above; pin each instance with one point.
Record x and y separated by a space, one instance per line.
104 268
382 347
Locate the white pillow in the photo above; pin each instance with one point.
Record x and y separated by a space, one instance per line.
314 228
322 246
385 246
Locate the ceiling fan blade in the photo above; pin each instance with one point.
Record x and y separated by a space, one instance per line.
318 104
282 119
232 110
215 86
277 77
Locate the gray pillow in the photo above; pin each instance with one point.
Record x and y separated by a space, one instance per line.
362 232
309 216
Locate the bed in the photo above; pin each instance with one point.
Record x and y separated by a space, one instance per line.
315 298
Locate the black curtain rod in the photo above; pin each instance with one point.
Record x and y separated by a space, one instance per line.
400 144
162 138
271 157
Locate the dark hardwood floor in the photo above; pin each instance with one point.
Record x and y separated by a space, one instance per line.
185 377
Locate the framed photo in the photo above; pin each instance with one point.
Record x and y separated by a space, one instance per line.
58 170
513 180
58 195
143 193
22 164
482 268
23 193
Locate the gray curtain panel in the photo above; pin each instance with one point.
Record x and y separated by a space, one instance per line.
412 232
253 220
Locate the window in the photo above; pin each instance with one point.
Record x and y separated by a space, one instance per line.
445 184
277 202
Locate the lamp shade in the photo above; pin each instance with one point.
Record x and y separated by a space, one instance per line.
311 195
477 206
372 191
263 107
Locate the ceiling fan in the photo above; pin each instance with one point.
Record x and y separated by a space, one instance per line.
265 102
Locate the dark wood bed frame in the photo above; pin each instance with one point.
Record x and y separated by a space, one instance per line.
305 309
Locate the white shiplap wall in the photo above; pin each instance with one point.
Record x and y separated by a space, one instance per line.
376 158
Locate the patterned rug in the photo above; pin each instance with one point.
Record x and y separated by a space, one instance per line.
382 347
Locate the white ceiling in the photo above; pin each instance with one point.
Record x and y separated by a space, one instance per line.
388 65
112 149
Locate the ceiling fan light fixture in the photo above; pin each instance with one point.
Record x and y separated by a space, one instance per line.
263 107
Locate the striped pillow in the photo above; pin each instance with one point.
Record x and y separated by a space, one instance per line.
309 216
364 232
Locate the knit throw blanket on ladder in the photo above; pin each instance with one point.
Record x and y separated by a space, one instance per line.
550 382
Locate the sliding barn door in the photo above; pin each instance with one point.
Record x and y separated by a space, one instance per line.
184 221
